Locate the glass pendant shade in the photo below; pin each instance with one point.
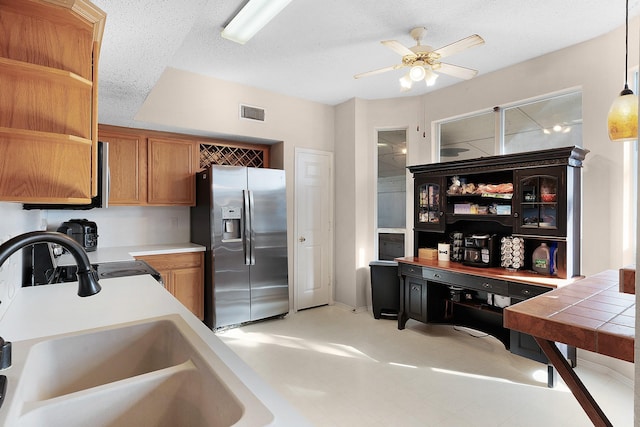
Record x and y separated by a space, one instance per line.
623 117
405 83
417 73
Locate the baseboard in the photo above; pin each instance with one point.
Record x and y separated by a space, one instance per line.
351 309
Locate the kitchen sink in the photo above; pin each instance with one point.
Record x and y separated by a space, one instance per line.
65 365
156 372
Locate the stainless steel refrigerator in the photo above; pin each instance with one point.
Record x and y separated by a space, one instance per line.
240 217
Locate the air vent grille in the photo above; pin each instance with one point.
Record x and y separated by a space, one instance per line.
252 113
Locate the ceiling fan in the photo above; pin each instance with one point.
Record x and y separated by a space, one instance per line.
424 61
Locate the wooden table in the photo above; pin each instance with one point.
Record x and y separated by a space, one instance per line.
591 314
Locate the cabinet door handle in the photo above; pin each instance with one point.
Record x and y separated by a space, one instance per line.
526 292
441 213
486 285
515 215
437 276
415 288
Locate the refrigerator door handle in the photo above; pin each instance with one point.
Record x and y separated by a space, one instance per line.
252 236
246 240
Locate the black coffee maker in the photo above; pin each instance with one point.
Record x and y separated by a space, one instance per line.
481 250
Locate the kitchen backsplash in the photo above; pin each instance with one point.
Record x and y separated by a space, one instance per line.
14 221
130 226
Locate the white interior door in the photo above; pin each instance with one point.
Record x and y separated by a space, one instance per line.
313 270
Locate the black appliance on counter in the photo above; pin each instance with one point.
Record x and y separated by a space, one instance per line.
40 268
82 231
481 250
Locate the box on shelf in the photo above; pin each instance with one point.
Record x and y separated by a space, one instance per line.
462 208
503 209
427 253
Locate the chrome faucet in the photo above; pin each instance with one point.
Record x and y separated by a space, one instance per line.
87 277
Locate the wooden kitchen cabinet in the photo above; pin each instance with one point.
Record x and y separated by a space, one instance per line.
127 168
148 168
171 172
183 277
48 126
155 168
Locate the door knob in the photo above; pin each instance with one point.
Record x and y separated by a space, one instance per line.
302 239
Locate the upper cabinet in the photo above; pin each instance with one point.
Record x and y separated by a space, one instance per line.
429 211
154 168
534 196
172 165
540 204
48 126
127 167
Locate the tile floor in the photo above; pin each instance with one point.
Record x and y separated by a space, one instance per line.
341 368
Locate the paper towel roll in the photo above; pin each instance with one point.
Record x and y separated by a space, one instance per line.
443 251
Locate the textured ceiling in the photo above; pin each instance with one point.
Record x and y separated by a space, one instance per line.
313 48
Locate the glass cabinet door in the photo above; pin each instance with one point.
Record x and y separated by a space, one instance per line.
538 209
429 213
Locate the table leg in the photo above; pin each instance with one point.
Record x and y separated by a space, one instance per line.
588 403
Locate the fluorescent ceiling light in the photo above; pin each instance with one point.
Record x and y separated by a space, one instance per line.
251 18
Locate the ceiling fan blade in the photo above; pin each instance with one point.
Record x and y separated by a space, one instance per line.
397 47
459 46
455 71
381 70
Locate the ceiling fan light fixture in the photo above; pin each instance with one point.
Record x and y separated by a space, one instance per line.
622 120
251 18
417 73
405 83
430 77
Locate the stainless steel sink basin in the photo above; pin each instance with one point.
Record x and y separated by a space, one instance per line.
156 372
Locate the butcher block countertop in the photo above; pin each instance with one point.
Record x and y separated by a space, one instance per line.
520 276
591 314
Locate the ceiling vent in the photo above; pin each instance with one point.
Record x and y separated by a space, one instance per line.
251 113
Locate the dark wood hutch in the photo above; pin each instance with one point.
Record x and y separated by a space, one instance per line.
543 206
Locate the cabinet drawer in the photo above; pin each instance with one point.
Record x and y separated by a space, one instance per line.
494 286
410 270
446 277
174 261
522 291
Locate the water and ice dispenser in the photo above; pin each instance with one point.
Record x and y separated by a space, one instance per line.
231 221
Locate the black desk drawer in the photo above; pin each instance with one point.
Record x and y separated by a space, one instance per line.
494 286
522 291
446 277
410 270
466 281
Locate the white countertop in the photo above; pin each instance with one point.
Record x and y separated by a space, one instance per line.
127 253
42 311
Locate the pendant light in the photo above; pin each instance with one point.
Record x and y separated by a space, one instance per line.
623 114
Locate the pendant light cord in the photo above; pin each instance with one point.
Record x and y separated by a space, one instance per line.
626 90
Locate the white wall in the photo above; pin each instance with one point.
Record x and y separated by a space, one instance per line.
206 105
597 68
